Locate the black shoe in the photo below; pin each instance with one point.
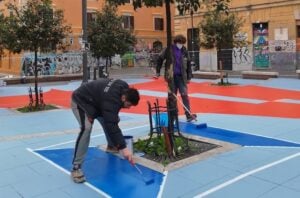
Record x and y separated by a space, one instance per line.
191 117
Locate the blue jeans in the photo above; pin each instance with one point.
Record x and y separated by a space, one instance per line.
180 85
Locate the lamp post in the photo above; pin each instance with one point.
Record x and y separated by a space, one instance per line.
84 42
192 35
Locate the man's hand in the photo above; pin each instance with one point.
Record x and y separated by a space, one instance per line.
127 155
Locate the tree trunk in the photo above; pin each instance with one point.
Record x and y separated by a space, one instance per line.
36 91
106 65
169 66
169 75
221 66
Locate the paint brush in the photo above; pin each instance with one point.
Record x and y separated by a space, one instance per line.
147 181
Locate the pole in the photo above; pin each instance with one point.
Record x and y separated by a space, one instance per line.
192 35
84 42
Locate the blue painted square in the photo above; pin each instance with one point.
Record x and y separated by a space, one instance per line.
109 173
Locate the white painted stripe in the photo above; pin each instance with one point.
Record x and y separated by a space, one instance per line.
288 101
153 93
63 143
162 186
236 179
206 96
228 98
68 173
72 141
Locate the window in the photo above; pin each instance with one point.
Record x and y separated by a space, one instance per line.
128 22
298 31
158 23
91 16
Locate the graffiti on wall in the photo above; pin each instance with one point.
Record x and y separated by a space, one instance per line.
283 54
241 56
59 64
282 46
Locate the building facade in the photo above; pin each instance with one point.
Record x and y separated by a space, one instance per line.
147 24
271 27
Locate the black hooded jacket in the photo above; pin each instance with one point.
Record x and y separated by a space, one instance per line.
102 98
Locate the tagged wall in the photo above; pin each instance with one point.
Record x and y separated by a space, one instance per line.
59 64
242 58
283 55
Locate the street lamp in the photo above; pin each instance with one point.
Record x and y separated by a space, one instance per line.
84 42
192 35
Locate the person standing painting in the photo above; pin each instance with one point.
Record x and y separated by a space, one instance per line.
182 72
102 100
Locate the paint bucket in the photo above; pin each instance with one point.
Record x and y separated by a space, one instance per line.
129 142
161 120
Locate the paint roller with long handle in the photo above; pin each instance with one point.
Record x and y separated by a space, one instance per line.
194 117
199 126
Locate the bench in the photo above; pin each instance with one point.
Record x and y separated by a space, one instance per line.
261 75
298 72
206 75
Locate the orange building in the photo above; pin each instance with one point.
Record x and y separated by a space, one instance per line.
148 25
271 27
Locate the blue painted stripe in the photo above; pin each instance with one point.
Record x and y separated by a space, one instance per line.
234 137
109 173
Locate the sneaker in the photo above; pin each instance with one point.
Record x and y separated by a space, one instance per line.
77 176
111 149
191 117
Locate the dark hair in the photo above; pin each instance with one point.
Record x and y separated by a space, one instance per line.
132 95
180 39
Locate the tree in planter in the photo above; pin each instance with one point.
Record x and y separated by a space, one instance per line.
107 37
219 27
183 6
35 27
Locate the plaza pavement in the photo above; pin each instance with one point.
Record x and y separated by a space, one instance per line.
36 147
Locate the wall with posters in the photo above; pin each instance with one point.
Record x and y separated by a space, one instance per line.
283 55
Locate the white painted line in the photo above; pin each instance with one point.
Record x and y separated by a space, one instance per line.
286 100
72 141
68 173
153 93
68 142
236 179
162 186
227 98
